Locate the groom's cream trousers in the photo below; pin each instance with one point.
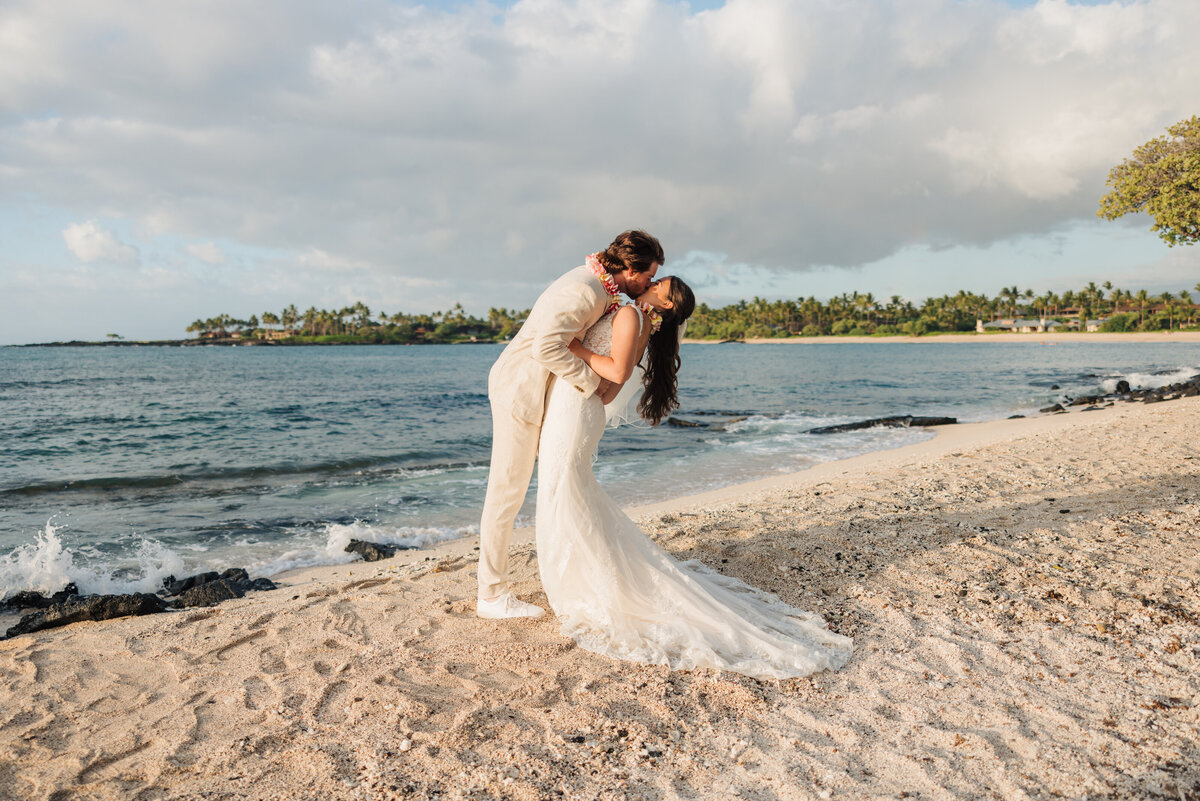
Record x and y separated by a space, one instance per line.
517 387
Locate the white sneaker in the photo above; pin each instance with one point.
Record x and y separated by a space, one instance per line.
506 606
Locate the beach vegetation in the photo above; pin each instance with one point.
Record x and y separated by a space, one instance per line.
1162 179
1120 323
1101 307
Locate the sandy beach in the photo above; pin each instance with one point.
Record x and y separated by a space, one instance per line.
1008 337
1022 594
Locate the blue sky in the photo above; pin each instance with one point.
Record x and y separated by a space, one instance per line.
163 163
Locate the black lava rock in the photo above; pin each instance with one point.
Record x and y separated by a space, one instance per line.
1055 408
371 551
31 599
235 574
1122 387
177 587
209 593
233 583
903 421
91 607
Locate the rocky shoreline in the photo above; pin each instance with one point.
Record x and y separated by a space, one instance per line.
203 589
1122 393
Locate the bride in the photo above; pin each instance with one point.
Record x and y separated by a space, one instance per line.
617 593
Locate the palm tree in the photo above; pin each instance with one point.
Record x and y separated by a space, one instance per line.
1168 300
1142 297
289 316
863 304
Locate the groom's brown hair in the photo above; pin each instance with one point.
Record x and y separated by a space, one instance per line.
632 250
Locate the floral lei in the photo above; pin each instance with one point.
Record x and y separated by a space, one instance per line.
610 283
652 314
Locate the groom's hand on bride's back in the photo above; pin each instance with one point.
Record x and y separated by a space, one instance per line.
606 390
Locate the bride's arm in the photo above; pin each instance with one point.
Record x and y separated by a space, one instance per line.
627 348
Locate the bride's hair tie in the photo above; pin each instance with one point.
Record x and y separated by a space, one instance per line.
610 283
652 314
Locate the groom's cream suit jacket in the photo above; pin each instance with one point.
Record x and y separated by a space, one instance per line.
521 376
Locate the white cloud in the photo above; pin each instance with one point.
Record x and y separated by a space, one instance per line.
91 243
208 252
400 140
317 259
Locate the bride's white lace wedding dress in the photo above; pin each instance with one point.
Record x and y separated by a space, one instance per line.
617 593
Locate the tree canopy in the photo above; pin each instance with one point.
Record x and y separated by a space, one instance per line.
1163 180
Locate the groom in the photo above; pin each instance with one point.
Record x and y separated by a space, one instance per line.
517 386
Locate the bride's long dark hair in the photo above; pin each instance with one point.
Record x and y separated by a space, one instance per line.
662 356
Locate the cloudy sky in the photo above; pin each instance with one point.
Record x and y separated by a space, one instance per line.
161 162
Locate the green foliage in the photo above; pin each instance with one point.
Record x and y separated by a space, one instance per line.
1120 323
1155 322
1163 180
730 330
855 314
759 331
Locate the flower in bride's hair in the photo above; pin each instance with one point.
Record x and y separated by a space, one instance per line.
610 283
652 315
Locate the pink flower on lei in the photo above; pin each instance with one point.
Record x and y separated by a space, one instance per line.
610 283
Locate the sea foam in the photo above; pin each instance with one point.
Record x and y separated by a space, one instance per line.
47 566
1150 380
338 535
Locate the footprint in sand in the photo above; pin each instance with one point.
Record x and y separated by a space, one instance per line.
221 653
345 621
89 771
257 694
271 660
331 704
262 620
364 584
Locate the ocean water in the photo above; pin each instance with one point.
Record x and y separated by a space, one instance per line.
119 466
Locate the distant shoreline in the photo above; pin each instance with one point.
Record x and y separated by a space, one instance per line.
1005 337
1044 339
227 343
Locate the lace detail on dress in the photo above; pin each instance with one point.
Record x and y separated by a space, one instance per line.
618 594
598 338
